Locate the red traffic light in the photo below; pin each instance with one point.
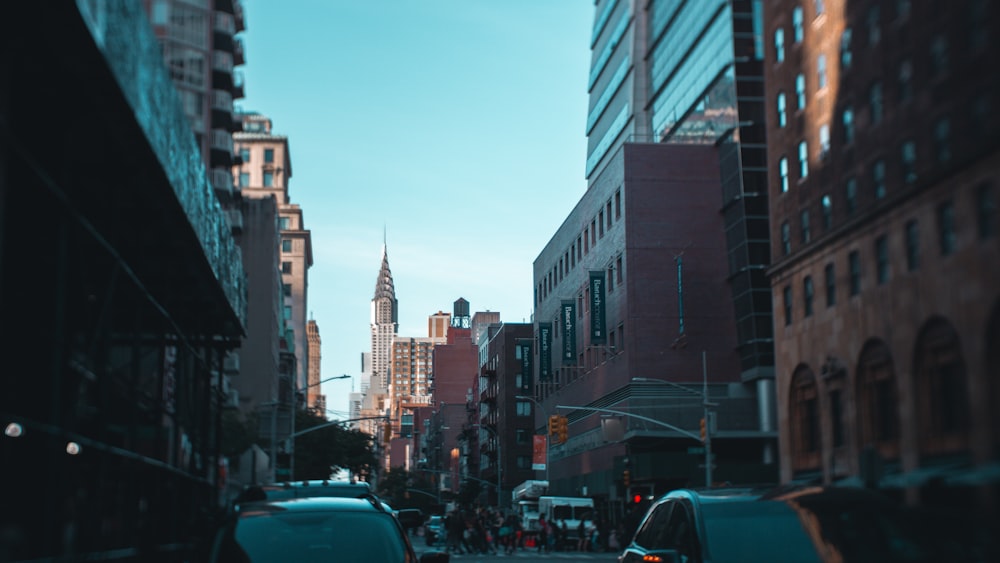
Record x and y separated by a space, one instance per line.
637 498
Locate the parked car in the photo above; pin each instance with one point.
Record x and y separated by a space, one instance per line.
800 524
313 530
434 530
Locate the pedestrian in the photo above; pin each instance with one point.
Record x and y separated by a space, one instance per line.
543 534
582 536
454 526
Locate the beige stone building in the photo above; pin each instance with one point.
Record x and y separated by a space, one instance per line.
884 159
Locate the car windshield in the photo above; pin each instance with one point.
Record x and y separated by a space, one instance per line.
314 537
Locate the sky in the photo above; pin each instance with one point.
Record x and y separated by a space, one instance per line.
452 130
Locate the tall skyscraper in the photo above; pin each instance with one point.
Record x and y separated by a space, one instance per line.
674 217
384 326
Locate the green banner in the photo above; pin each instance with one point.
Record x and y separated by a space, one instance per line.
544 351
598 331
567 318
526 367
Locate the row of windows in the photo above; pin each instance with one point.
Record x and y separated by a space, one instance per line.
986 227
245 155
610 212
877 181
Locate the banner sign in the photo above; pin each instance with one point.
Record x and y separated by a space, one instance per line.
538 452
544 351
526 366
567 317
598 332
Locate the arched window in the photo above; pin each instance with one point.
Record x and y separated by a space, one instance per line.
878 403
803 420
941 390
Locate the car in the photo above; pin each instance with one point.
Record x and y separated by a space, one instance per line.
791 523
410 518
313 530
434 530
304 489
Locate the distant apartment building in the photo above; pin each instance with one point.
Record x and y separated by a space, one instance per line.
655 283
314 398
264 171
437 325
412 361
885 159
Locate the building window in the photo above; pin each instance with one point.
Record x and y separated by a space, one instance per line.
523 408
618 204
807 295
821 71
851 195
800 91
797 24
804 223
824 141
288 312
831 285
608 215
903 9
286 267
854 270
942 140
908 157
786 239
244 179
787 294
878 178
284 223
881 259
286 245
521 436
804 420
803 160
986 211
600 223
845 49
904 81
268 179
827 206
875 102
619 270
874 29
946 228
779 45
782 118
783 173
939 56
847 118
244 155
611 279
912 246
286 289
269 156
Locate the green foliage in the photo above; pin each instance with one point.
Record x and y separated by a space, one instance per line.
323 452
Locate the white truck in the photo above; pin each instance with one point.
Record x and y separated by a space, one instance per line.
525 502
571 510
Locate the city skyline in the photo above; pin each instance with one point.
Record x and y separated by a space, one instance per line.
494 97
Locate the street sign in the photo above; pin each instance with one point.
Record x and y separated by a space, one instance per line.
695 450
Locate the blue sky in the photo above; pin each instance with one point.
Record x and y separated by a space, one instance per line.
454 127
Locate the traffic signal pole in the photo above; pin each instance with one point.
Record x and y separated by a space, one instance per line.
708 423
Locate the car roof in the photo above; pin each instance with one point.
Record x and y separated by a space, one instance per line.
314 504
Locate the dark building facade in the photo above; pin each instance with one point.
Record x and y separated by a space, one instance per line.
883 136
124 302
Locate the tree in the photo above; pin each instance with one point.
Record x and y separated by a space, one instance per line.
321 453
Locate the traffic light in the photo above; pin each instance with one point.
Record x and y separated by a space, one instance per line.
625 478
639 494
704 430
563 430
554 425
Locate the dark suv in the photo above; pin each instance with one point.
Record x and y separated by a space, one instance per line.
787 524
313 530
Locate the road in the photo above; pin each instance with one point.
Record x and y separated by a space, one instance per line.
524 556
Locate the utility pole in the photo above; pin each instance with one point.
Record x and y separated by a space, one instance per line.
548 441
708 423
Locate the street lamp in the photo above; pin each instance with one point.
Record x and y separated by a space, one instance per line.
707 440
295 407
548 443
